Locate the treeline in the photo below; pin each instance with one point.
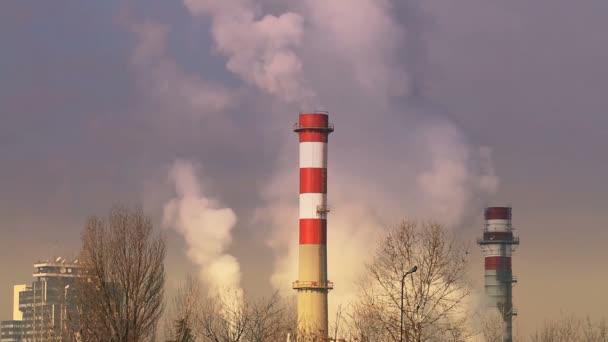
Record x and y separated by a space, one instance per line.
122 296
572 328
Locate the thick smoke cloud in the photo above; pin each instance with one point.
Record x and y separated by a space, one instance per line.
206 227
365 38
261 50
164 81
449 183
393 154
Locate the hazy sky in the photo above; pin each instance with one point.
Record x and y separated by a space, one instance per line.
440 107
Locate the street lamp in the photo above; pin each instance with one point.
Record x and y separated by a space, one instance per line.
402 289
65 309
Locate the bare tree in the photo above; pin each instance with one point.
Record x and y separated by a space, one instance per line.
270 319
433 297
565 329
183 332
120 298
571 328
223 318
183 312
365 325
195 314
492 326
595 331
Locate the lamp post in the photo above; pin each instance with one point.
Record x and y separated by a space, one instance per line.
64 315
401 308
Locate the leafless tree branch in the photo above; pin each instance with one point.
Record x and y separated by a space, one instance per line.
433 297
121 297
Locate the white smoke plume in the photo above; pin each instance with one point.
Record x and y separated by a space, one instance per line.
260 49
207 230
366 38
164 81
450 183
389 159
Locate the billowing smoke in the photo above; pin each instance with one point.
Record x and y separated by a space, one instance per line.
164 81
362 37
207 230
260 49
393 154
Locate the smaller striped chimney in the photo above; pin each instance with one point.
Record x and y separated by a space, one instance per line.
497 244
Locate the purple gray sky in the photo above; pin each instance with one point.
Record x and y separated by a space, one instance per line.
440 107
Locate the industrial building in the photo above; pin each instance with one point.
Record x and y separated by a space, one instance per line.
313 285
497 245
40 309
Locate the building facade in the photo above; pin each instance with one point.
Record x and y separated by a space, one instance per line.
41 309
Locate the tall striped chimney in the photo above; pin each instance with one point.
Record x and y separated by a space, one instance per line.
497 245
312 285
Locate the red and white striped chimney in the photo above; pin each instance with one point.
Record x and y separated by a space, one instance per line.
497 245
313 130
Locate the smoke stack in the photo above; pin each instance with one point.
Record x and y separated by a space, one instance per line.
497 245
312 285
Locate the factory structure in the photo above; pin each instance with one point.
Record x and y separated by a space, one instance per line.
497 245
313 285
40 310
